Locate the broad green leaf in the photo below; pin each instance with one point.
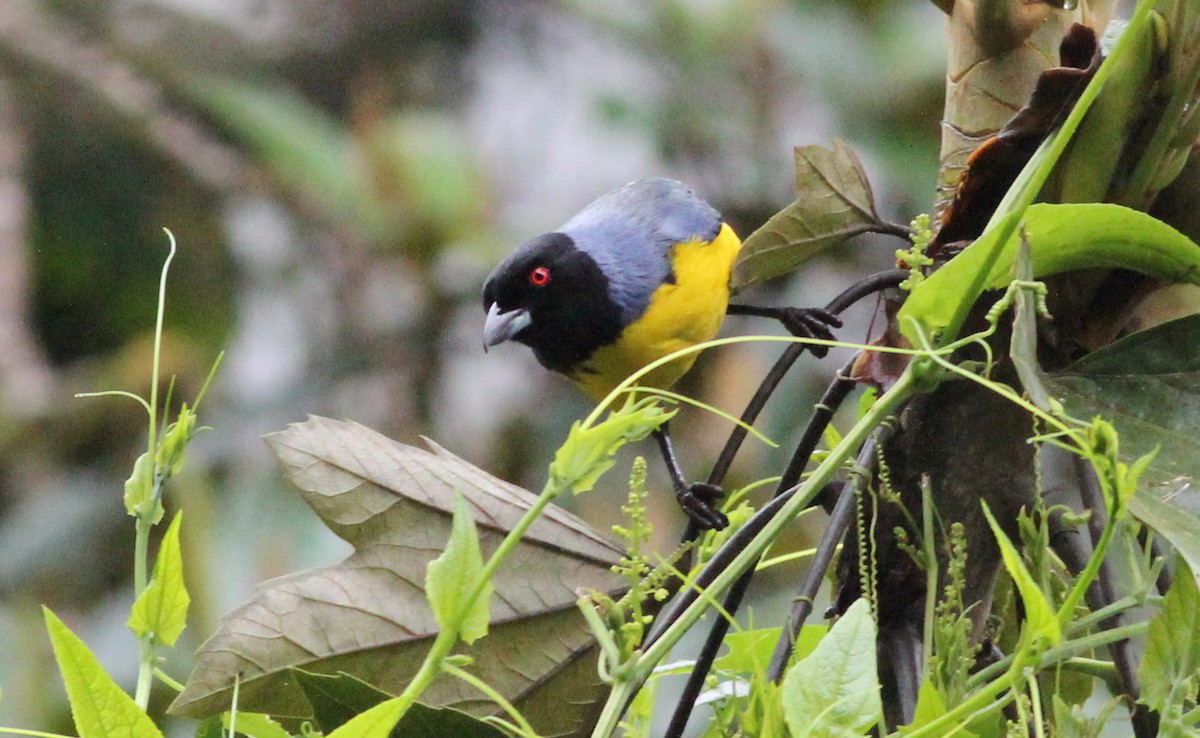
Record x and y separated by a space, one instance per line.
1172 660
835 690
1148 385
368 615
930 707
589 452
1076 721
255 725
751 650
210 727
1061 238
833 203
337 699
451 578
162 608
376 722
100 708
1040 619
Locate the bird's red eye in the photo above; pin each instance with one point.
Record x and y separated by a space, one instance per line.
540 276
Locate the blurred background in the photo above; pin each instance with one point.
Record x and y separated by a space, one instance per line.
341 175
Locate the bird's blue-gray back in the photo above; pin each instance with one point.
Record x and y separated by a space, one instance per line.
630 232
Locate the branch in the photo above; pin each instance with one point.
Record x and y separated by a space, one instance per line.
32 37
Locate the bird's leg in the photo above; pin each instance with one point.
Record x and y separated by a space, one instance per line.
800 322
697 499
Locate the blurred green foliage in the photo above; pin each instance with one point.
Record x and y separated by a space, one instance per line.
338 201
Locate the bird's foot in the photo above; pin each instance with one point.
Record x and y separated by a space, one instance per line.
698 501
810 323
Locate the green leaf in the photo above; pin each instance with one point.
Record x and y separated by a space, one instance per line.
255 725
1172 660
835 690
588 452
1085 171
139 488
337 699
1061 238
1074 721
750 650
1040 618
175 440
1148 385
210 727
369 616
306 149
162 608
930 707
833 203
101 709
452 578
376 722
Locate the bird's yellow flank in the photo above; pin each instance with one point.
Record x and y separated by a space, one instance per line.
683 313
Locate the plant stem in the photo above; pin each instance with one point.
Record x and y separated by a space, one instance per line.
988 697
145 518
882 408
1088 575
141 558
492 695
168 680
904 387
1066 650
447 638
621 695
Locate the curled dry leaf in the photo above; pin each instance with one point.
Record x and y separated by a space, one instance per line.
368 616
991 169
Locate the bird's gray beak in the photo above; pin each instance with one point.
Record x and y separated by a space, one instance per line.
501 327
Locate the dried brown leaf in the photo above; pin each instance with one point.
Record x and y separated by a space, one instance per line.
367 615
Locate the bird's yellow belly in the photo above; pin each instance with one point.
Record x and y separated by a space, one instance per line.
680 314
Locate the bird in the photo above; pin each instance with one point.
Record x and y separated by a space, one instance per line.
638 274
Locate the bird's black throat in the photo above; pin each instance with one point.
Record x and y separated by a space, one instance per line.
573 314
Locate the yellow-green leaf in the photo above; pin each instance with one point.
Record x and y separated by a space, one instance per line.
161 610
1040 619
834 691
101 709
1173 646
255 725
1061 238
374 723
452 577
588 452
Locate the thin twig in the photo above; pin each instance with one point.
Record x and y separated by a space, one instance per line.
1102 594
839 521
834 395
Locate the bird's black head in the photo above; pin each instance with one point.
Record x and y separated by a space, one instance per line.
553 298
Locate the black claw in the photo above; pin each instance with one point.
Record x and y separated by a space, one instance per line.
810 323
697 500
